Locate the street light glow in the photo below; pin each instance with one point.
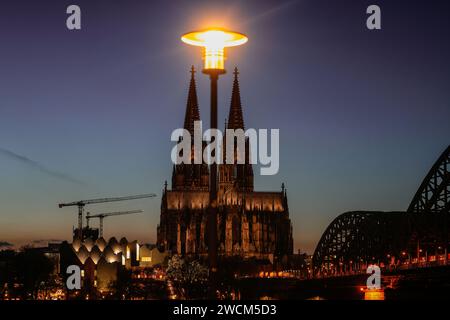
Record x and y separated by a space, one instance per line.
214 42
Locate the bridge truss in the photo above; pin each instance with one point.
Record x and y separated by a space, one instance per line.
355 239
433 194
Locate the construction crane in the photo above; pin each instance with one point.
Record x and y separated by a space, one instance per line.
101 216
82 203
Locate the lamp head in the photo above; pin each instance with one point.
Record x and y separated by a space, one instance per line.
214 41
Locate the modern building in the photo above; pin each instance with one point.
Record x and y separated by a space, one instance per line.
100 261
151 256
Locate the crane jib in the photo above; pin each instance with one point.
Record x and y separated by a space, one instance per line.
82 203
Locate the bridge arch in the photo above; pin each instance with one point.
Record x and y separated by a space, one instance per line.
357 238
433 194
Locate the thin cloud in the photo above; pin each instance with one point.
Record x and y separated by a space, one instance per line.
5 244
42 241
271 12
37 166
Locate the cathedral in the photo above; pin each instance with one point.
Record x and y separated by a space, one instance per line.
250 224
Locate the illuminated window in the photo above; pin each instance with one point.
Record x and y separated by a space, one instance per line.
82 273
146 259
128 253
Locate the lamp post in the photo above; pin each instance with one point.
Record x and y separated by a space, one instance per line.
213 43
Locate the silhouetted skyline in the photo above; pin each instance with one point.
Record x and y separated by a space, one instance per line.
85 114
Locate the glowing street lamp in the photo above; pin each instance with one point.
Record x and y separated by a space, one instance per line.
213 42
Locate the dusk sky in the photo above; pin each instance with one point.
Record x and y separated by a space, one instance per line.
363 115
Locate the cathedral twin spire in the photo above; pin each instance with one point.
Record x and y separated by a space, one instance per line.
196 176
192 110
235 117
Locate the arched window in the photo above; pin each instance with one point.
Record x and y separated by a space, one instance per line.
236 230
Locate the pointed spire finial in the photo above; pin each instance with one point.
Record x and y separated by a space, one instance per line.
192 110
235 117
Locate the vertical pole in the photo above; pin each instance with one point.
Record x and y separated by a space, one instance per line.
446 239
418 253
101 227
80 222
212 218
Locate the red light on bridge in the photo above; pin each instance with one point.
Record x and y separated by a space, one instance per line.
377 294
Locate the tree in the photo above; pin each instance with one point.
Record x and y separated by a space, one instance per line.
189 277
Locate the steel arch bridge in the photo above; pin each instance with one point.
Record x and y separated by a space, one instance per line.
434 193
357 238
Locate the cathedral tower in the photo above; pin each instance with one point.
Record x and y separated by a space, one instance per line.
250 224
238 176
191 176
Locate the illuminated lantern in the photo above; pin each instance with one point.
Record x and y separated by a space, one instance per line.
214 42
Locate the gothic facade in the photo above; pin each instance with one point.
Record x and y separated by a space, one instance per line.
249 223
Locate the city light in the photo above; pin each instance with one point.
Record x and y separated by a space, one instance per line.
214 234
